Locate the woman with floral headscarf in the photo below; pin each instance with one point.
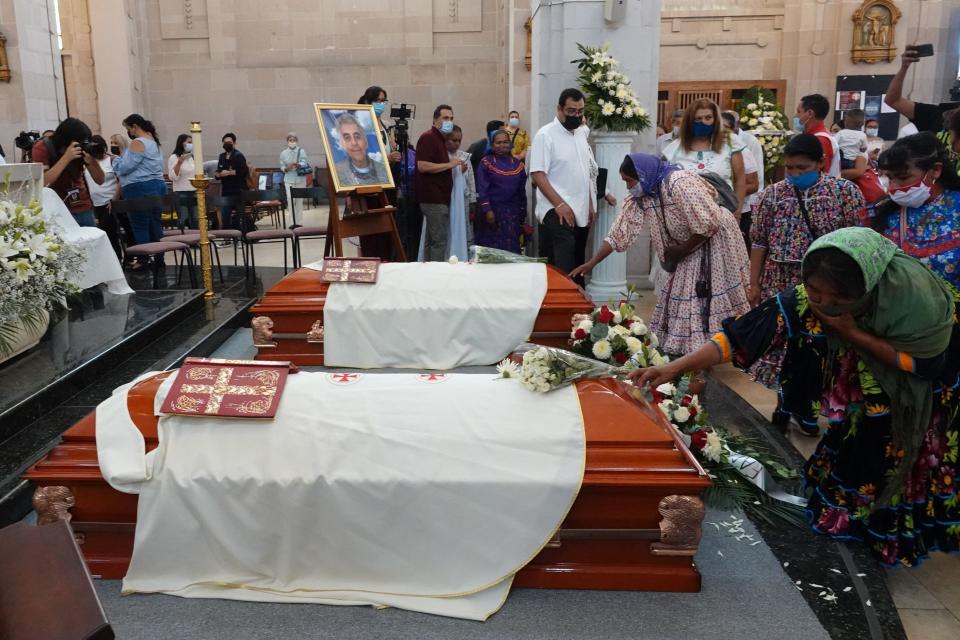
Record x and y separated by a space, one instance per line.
698 243
870 341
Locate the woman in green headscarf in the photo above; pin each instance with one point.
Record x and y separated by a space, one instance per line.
870 341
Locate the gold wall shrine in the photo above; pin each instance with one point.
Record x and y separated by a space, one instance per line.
874 31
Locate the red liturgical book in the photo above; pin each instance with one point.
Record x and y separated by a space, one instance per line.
363 270
227 388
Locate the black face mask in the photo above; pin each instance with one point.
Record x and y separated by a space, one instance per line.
571 123
228 147
115 150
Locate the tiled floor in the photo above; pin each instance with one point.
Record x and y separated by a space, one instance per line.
927 598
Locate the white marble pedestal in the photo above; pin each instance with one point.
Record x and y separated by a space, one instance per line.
609 278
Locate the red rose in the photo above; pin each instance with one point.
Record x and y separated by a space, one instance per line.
620 357
686 400
580 334
656 395
605 315
627 323
698 439
693 411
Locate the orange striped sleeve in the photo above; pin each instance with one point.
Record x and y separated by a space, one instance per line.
722 342
905 362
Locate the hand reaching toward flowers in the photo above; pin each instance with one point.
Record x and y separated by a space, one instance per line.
700 360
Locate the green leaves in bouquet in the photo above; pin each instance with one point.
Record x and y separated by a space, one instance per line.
599 332
611 104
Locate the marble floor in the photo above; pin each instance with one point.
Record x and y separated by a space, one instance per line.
927 597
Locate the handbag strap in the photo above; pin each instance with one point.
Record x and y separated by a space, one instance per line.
806 216
661 217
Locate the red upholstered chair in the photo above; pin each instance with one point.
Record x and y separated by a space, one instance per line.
153 250
235 236
261 204
192 240
266 236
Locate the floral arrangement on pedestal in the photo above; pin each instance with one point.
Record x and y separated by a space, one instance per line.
34 269
762 116
611 104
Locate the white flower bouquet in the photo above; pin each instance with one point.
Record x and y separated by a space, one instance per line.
767 121
488 255
34 269
611 103
547 368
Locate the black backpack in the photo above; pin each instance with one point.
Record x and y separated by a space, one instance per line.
726 197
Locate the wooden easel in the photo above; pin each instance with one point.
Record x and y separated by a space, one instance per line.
366 212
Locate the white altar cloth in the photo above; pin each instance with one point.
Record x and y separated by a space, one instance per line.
423 492
432 315
100 264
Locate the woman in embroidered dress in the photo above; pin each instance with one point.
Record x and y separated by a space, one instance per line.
924 183
690 230
870 341
780 234
705 146
502 196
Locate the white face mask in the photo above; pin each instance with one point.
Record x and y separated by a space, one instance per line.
915 196
292 145
676 131
872 131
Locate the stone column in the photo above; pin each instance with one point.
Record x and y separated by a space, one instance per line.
635 42
609 278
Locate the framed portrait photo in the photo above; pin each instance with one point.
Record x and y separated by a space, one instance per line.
355 151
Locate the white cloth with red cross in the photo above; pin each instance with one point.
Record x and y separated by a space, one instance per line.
432 315
423 491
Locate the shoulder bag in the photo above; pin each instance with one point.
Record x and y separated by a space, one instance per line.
806 216
304 169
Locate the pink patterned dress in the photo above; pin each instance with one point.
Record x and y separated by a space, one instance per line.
683 321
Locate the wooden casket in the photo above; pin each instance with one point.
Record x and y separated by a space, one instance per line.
635 525
288 320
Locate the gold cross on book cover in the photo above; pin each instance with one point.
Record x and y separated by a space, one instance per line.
227 388
363 270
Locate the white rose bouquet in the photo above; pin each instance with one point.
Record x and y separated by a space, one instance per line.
611 103
763 117
548 368
34 269
614 334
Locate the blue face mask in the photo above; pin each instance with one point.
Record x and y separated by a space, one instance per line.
805 180
446 127
701 130
636 191
797 125
378 107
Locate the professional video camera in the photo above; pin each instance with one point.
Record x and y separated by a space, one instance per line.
26 140
402 114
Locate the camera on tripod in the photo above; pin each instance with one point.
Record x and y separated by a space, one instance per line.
26 140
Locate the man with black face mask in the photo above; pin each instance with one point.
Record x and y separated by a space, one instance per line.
560 162
63 158
232 171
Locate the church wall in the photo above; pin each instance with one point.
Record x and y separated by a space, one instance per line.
78 64
34 97
805 42
257 68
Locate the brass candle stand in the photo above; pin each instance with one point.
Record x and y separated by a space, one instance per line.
199 182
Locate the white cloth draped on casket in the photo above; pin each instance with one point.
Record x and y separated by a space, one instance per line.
414 491
432 315
100 263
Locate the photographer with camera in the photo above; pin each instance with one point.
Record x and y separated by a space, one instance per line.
64 156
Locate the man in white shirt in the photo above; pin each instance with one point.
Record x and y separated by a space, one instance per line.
753 165
559 162
671 135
